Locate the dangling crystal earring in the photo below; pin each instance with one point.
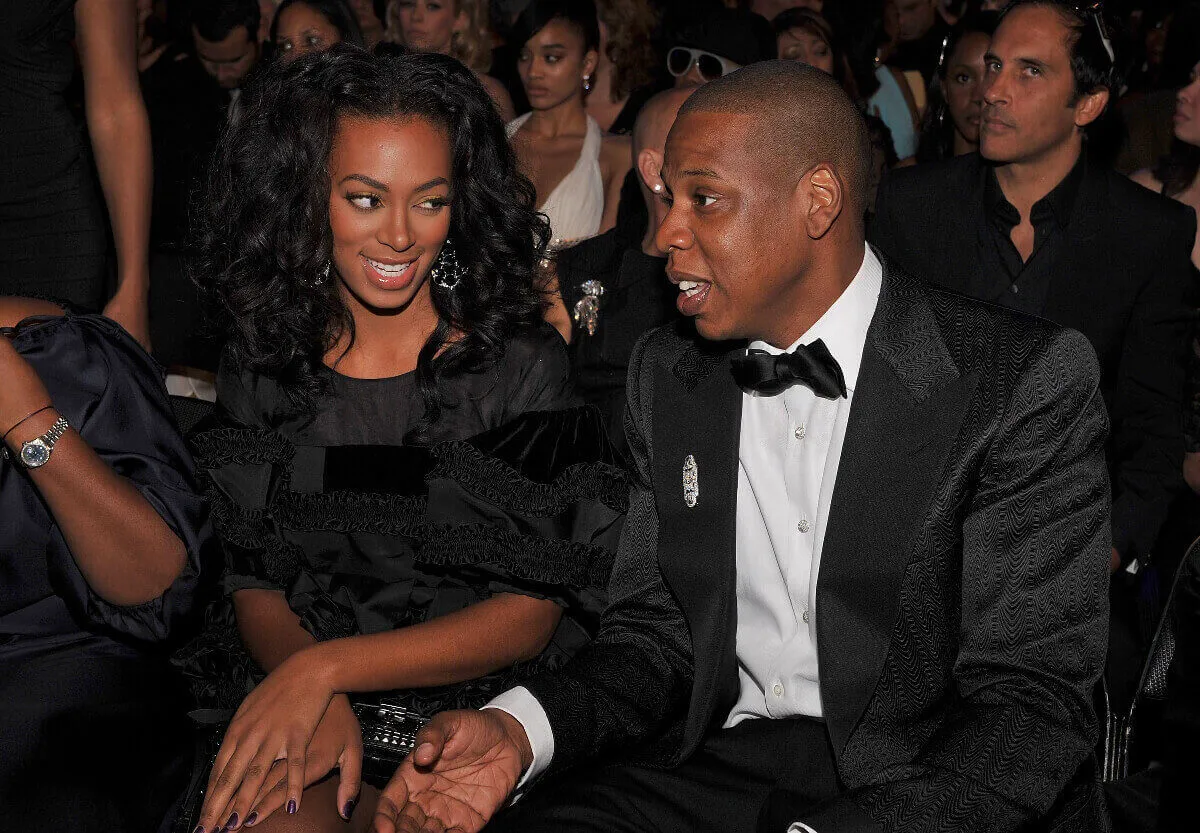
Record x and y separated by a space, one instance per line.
319 279
587 83
447 273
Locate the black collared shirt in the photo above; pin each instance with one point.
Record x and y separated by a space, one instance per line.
1010 281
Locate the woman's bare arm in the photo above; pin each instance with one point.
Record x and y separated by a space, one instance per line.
120 134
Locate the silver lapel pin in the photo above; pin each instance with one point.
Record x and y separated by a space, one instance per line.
691 481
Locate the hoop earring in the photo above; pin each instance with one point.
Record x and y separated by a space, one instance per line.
447 273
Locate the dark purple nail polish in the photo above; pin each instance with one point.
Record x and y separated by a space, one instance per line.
292 807
232 823
348 809
199 829
250 819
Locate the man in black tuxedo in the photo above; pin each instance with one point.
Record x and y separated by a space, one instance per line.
1033 225
861 586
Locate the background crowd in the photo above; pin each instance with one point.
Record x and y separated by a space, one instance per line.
1073 205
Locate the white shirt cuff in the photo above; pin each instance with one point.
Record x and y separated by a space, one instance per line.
527 711
800 827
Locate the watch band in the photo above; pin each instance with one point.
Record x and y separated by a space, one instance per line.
35 453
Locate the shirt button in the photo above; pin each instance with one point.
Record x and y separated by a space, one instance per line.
778 689
804 525
799 432
1016 289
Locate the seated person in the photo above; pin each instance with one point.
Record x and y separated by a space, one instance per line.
577 170
833 608
102 527
615 285
303 26
407 499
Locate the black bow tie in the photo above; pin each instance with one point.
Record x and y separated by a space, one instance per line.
809 364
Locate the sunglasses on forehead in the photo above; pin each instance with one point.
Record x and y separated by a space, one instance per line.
681 59
1095 11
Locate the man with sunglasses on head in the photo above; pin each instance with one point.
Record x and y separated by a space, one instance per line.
1031 223
721 42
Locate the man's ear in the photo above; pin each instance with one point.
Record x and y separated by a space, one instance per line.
649 167
820 196
1090 106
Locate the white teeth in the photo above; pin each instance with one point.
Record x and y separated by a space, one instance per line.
390 270
688 286
694 291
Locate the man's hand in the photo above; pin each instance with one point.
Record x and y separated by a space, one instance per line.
465 766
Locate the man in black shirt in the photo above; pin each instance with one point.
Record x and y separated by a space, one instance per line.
1031 224
1013 280
1034 226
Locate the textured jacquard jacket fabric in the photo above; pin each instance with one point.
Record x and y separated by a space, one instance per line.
1123 279
961 602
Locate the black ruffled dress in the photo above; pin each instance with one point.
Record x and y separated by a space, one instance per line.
517 491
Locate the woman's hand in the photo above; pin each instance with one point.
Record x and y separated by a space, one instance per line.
276 722
337 743
131 309
22 392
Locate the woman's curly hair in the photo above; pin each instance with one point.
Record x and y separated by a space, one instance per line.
264 233
631 28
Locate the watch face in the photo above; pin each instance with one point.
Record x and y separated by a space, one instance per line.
34 454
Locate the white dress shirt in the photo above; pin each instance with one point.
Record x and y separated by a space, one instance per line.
788 454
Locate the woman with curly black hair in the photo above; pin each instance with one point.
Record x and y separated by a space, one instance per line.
408 502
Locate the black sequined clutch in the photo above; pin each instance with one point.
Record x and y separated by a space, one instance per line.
389 733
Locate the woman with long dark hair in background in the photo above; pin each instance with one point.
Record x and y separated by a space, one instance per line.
626 64
576 170
303 26
408 501
951 125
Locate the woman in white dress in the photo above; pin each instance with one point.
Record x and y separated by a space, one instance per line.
576 169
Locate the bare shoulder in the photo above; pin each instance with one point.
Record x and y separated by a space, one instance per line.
13 309
1146 178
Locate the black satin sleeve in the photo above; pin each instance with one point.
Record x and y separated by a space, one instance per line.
536 371
112 393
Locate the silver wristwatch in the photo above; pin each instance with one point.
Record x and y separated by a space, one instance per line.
35 453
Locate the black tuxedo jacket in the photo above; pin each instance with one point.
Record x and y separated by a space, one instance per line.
961 603
1124 280
637 297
